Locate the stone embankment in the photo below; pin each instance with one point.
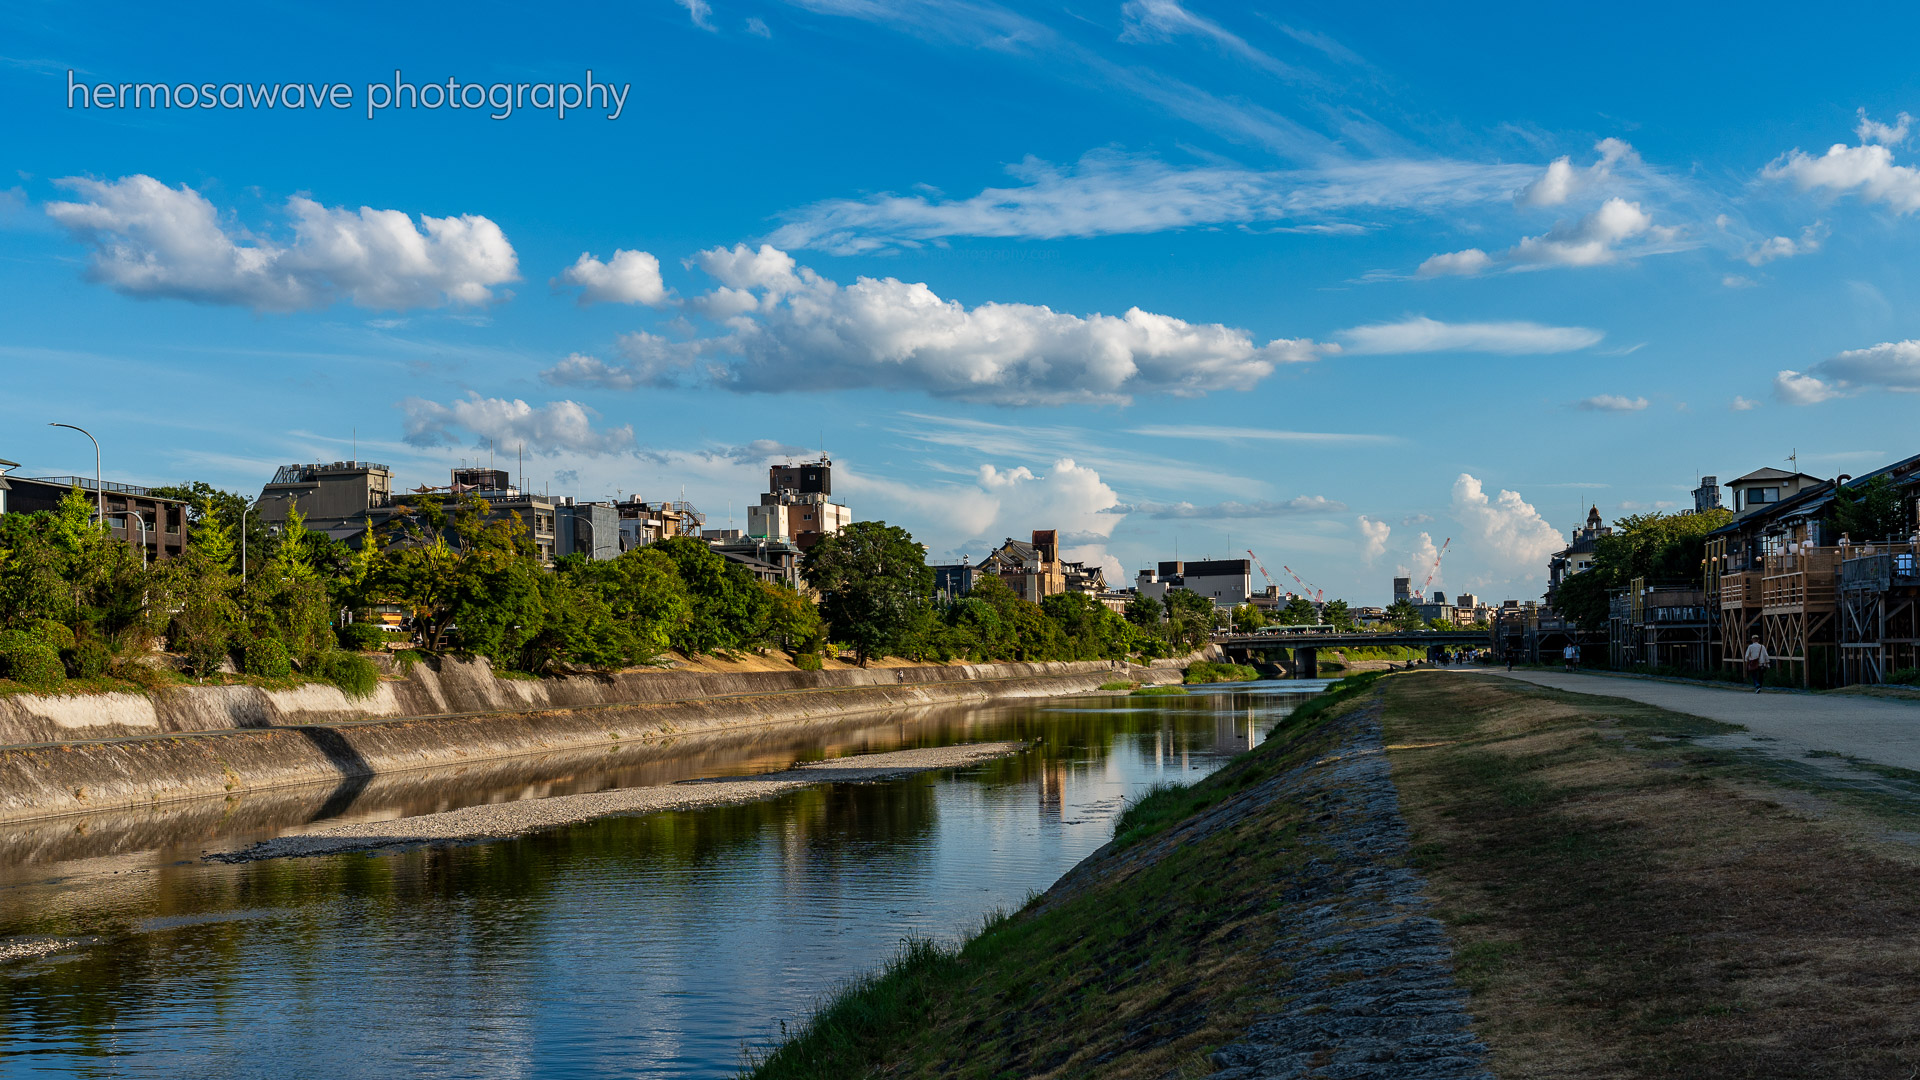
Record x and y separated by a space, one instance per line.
81 753
499 821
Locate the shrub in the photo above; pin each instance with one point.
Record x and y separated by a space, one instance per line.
267 658
355 675
1159 691
35 664
53 634
1119 684
807 661
1905 677
1206 672
88 660
363 637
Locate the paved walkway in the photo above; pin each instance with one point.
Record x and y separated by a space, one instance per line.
1788 725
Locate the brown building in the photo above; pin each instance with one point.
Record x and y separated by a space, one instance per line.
798 506
134 513
1032 570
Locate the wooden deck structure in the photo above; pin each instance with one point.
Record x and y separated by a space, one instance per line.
1879 611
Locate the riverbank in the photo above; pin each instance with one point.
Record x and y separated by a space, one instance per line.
1583 886
84 776
500 821
1249 925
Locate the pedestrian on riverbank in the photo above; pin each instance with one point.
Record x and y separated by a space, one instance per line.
1758 660
1570 656
1513 655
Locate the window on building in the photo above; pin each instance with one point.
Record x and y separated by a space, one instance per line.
1762 496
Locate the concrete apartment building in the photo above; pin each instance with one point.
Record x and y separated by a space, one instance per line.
798 505
134 514
1227 582
341 498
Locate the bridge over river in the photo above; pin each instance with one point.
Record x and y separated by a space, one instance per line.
1306 647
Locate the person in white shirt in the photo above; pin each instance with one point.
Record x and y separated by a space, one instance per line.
1757 662
1568 655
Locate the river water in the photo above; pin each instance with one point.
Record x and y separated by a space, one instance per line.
651 946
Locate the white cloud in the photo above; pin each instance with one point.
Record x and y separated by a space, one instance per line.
1461 263
1866 169
700 12
1421 334
556 427
1611 403
1741 404
1617 229
1872 131
630 277
995 503
1213 433
1149 20
1303 504
150 240
1795 388
1373 538
1424 559
1890 365
1505 528
1108 193
1561 181
1737 281
792 329
758 27
1785 247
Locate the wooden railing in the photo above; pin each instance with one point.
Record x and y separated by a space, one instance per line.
1739 590
1807 578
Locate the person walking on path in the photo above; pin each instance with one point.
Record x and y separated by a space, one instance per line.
1568 656
1512 655
1758 661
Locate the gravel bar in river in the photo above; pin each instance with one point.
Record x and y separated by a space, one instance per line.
499 821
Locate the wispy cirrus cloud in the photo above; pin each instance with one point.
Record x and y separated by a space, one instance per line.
1420 334
1615 403
1302 504
1213 433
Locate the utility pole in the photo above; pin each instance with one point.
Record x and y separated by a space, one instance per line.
99 492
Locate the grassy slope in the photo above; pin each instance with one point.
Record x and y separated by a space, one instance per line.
1138 964
1625 903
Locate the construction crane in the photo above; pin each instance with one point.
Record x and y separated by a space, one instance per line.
1422 592
1306 590
1262 566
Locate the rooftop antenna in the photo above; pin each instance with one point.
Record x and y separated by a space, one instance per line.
356 443
1794 459
521 467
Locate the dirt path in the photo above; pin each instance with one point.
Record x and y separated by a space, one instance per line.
499 821
1782 724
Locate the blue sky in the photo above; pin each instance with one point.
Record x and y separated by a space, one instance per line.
1332 285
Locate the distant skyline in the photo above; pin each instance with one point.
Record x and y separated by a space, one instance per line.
1333 285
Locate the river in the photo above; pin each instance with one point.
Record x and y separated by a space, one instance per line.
626 947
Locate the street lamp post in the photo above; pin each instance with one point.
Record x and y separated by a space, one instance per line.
142 519
99 491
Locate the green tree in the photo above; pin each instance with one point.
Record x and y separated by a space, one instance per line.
1867 511
872 578
1336 614
726 608
1665 549
1145 612
1403 615
471 581
1247 618
644 592
1190 618
1299 612
793 622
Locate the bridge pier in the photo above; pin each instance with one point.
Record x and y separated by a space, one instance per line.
1306 663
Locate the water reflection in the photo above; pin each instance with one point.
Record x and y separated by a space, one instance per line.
647 946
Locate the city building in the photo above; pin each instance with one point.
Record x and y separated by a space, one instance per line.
951 581
1762 488
134 514
1032 570
1707 496
342 498
1579 554
1403 589
1227 582
643 523
587 528
797 505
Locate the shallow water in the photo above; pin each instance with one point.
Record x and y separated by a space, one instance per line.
650 947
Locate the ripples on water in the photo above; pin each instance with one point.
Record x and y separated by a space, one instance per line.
646 947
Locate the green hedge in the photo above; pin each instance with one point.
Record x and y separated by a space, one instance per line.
33 663
267 658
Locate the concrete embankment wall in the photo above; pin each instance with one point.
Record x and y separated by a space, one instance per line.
204 741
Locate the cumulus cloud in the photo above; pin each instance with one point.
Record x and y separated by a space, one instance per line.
995 502
1890 365
1741 404
789 328
1373 538
1303 504
1870 130
1867 169
630 277
1617 229
1611 403
1424 559
556 427
1505 527
1785 247
1107 193
1421 334
150 240
1561 181
1457 263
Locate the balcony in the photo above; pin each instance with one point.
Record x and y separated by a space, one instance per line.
1878 567
1807 579
1739 590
